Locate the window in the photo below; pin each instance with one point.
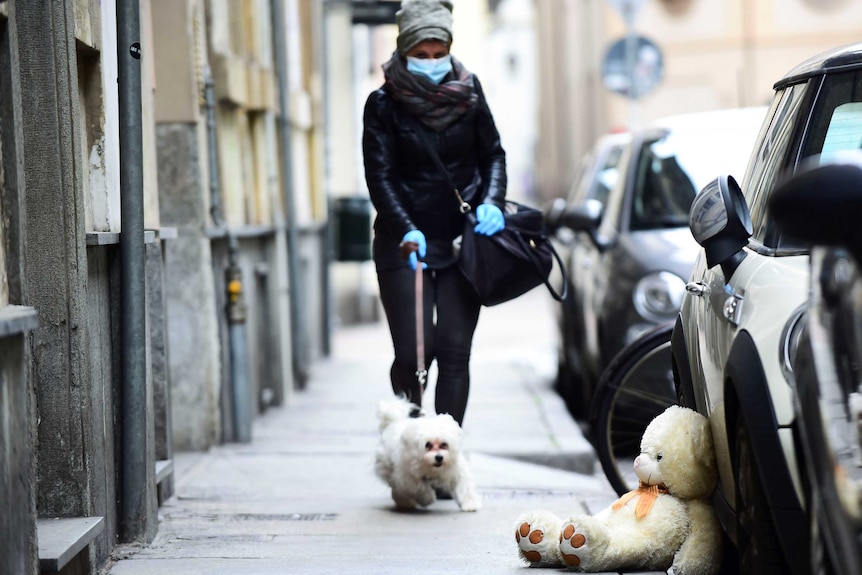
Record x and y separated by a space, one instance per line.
844 131
835 126
771 159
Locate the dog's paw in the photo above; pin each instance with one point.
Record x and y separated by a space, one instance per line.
467 497
425 496
472 502
537 535
403 500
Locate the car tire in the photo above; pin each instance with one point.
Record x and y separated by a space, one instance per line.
634 388
759 550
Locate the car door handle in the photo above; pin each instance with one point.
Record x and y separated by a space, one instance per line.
697 288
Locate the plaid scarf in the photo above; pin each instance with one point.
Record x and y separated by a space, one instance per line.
435 105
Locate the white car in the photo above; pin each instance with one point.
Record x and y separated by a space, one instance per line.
738 326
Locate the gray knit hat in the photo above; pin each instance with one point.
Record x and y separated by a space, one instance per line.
420 20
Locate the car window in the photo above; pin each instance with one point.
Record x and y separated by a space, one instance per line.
844 131
770 159
835 126
595 181
836 123
580 185
607 176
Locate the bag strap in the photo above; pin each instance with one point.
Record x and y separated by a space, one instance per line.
432 151
564 292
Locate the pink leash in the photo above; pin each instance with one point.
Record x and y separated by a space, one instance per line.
421 372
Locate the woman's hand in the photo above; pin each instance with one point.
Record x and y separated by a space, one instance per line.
489 220
418 238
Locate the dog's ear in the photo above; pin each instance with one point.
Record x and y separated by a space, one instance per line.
450 424
410 436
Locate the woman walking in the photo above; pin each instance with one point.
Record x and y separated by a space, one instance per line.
429 100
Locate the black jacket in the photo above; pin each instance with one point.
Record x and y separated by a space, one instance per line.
407 188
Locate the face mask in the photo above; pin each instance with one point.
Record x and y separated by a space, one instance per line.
432 69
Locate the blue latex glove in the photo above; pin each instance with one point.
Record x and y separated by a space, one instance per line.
489 220
419 238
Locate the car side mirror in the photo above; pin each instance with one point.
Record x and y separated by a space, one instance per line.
720 221
584 217
822 204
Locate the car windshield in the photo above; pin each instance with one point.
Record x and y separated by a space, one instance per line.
674 167
663 189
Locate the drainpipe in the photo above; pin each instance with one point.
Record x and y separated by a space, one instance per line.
297 314
235 307
133 314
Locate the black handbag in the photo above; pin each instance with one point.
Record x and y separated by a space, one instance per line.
511 262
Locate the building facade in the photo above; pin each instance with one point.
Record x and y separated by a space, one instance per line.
715 55
217 153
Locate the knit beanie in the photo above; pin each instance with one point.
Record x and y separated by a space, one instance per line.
420 20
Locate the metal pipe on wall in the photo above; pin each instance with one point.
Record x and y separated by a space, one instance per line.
297 313
239 395
133 311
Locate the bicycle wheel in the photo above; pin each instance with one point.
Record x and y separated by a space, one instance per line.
636 386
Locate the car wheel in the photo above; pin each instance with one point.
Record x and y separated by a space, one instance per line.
759 548
636 386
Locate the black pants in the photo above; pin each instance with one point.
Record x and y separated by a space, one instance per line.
450 313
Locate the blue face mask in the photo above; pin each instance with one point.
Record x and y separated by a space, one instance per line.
432 69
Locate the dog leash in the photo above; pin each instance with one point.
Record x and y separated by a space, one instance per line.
421 372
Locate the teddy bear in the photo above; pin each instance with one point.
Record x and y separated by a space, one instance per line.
668 521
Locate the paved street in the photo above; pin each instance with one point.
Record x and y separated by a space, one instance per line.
302 498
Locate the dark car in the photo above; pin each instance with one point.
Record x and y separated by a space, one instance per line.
629 247
740 323
821 206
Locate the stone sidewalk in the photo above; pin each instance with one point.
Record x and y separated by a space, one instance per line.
302 497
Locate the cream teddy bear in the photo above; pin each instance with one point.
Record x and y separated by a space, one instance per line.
667 522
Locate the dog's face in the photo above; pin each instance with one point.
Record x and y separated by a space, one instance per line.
434 441
436 453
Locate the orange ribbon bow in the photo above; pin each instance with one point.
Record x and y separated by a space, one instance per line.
648 494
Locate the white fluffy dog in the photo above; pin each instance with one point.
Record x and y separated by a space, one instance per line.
417 455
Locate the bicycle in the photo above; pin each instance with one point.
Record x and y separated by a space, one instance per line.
636 386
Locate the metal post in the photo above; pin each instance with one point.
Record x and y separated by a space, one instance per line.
297 314
133 313
630 14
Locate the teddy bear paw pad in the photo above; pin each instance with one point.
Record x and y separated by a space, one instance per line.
528 539
572 545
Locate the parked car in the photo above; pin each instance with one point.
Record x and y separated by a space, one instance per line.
628 243
740 320
589 190
821 206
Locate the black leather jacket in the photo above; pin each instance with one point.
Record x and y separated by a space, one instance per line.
407 188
